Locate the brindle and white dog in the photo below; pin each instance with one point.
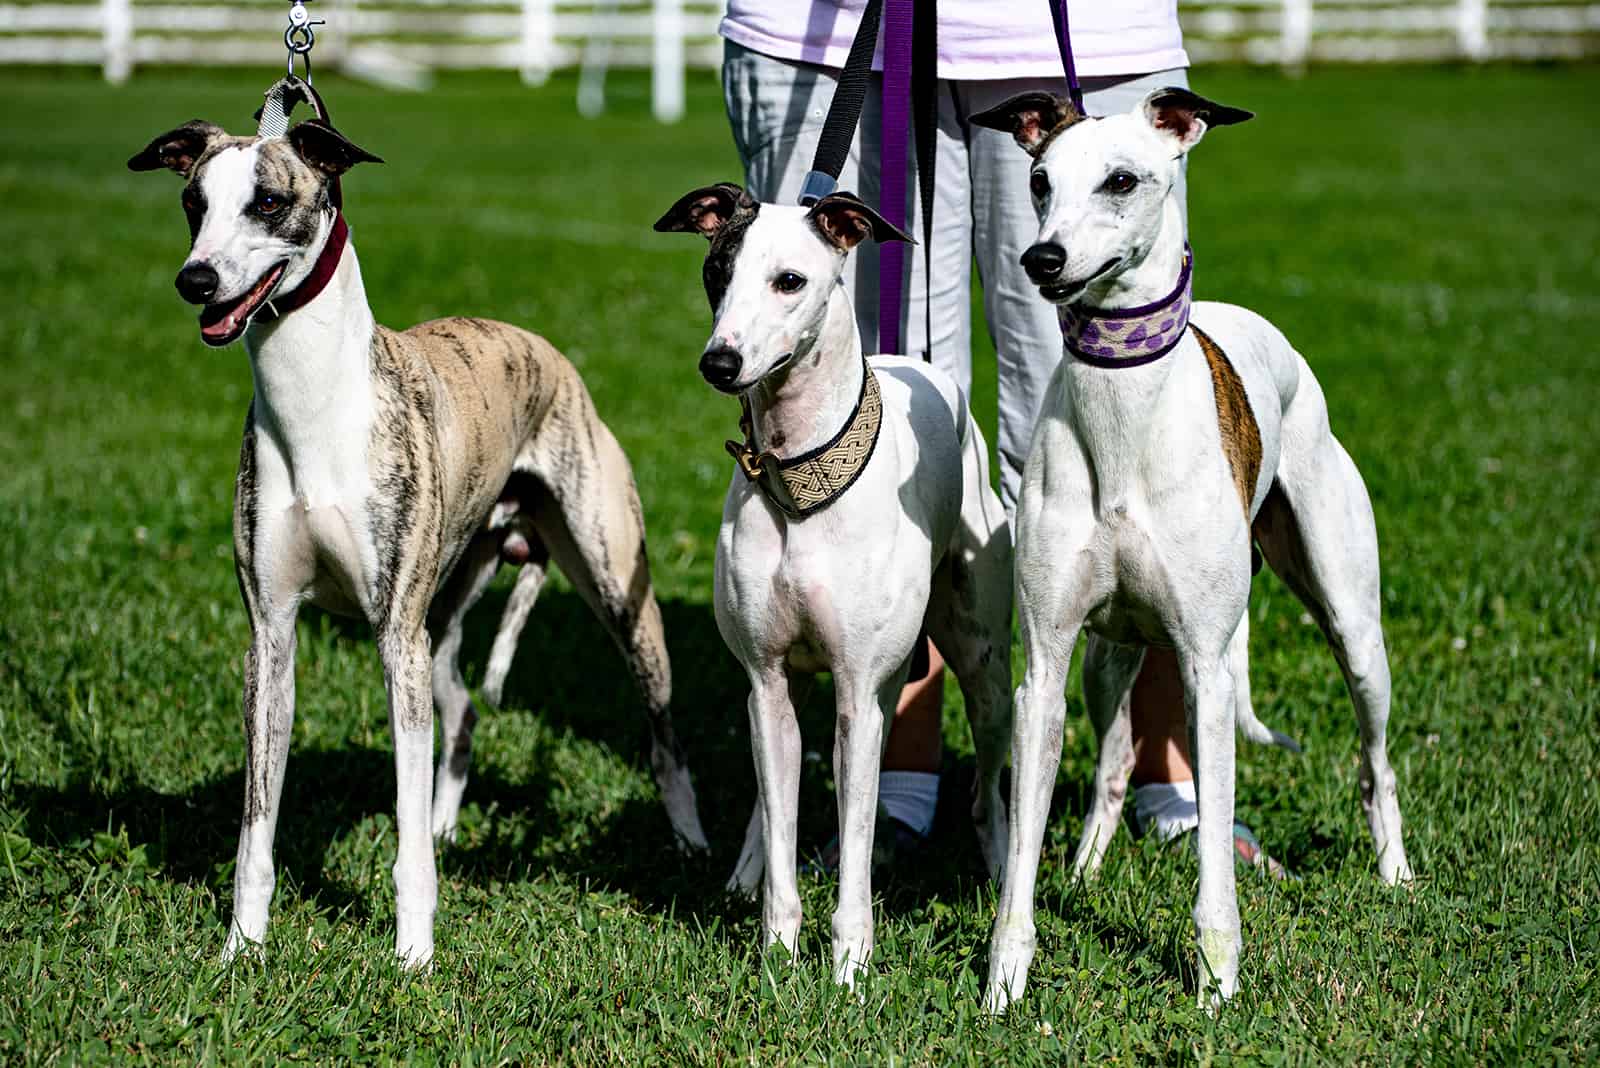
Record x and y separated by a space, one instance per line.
1166 444
386 475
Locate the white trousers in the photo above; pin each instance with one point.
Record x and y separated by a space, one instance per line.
981 208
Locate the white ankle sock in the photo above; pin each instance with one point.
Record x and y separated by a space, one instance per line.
1166 809
910 797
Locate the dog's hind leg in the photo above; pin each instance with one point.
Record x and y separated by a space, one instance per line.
530 579
752 860
1316 530
969 620
1108 673
1245 713
590 520
457 716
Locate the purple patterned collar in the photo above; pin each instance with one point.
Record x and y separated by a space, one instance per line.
1130 337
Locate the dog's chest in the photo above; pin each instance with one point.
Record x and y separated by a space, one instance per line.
312 495
812 592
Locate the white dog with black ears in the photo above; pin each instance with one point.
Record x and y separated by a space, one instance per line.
860 511
1170 437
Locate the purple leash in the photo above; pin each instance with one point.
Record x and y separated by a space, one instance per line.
898 64
1058 20
892 194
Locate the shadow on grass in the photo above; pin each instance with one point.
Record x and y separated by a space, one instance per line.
574 678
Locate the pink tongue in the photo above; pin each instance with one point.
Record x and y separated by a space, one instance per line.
222 327
228 322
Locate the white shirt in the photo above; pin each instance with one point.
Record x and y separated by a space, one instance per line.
979 40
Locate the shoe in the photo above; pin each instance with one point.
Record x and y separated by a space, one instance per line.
1246 848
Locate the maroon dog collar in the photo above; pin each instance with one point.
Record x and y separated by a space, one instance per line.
315 282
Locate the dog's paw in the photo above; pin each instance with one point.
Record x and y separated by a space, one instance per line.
996 999
238 946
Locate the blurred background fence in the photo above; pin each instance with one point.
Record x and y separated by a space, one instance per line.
400 41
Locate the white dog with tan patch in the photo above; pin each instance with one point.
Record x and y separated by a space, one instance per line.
860 512
1170 437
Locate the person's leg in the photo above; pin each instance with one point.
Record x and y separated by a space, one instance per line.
915 748
1163 781
1024 328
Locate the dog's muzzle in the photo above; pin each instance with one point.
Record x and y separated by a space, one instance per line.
720 366
1044 262
197 283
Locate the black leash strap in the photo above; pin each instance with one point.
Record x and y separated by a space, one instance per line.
844 113
839 130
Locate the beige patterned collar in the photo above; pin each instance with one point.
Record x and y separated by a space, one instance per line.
807 483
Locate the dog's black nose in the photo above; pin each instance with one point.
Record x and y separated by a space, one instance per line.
197 283
1043 262
720 365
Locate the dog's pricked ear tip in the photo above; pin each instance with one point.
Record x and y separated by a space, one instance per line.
996 118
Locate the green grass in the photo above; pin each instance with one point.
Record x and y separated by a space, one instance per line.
1426 236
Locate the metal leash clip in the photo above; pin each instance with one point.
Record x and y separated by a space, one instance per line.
299 37
286 92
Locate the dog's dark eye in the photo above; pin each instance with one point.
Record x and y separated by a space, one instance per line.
267 204
1039 182
788 282
192 201
1120 182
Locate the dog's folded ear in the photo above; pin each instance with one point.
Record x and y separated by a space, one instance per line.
326 149
178 149
704 210
844 220
1186 116
1030 118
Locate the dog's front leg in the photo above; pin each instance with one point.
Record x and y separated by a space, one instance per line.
1208 696
268 721
863 706
1040 710
775 737
406 661
1051 600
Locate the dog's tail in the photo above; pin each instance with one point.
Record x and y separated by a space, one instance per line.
1253 729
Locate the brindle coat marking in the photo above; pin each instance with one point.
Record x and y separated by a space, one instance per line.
387 475
1241 437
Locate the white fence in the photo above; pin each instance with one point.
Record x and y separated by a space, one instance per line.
399 41
1294 32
